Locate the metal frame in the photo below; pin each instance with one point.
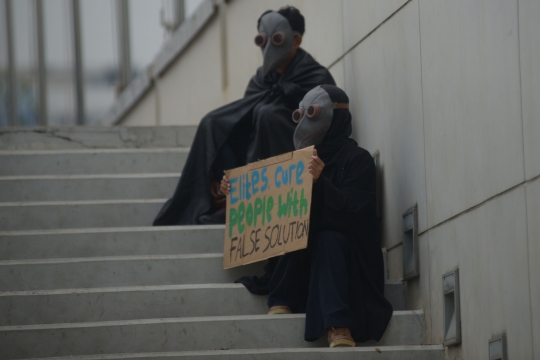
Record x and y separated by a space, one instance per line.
12 67
411 268
42 70
124 48
78 61
498 349
179 12
451 308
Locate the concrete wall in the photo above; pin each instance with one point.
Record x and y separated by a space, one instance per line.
447 92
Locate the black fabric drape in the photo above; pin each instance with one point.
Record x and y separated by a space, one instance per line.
344 244
347 191
260 122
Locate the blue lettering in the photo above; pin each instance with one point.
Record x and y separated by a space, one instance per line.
264 179
299 170
291 170
247 185
233 200
254 181
279 169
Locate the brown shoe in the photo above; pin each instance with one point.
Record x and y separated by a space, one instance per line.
340 337
279 309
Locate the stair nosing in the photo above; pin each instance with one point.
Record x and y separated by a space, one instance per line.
110 258
110 229
113 289
94 151
80 202
360 349
198 319
89 176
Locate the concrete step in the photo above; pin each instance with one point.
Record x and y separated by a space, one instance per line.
86 162
127 303
78 214
138 302
124 271
183 334
84 137
76 243
87 187
17 275
403 352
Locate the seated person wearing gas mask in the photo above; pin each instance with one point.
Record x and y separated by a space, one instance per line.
255 127
338 280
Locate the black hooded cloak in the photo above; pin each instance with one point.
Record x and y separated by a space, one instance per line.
256 127
344 245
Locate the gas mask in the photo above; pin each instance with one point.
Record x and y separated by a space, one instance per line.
314 117
275 39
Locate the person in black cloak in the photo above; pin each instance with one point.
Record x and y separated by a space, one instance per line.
338 280
255 127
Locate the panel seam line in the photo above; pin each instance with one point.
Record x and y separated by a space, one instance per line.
367 35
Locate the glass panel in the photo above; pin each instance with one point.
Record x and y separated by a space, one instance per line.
25 62
147 34
191 6
58 59
4 81
99 57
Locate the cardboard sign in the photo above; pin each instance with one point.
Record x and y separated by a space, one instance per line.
268 208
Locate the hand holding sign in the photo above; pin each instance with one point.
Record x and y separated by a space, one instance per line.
316 166
225 186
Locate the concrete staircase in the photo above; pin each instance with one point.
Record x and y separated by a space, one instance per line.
83 275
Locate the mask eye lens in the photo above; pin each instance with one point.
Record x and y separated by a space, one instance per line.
278 38
297 115
313 111
260 40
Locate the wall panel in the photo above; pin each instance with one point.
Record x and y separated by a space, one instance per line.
191 87
144 112
529 29
383 81
489 245
361 17
472 106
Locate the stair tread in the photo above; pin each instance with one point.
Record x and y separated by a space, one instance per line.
198 319
357 350
109 230
121 288
88 176
94 151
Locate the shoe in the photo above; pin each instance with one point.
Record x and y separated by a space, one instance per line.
340 337
279 309
216 218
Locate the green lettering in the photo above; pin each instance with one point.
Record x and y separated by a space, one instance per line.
233 217
241 213
269 207
249 215
258 211
303 204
